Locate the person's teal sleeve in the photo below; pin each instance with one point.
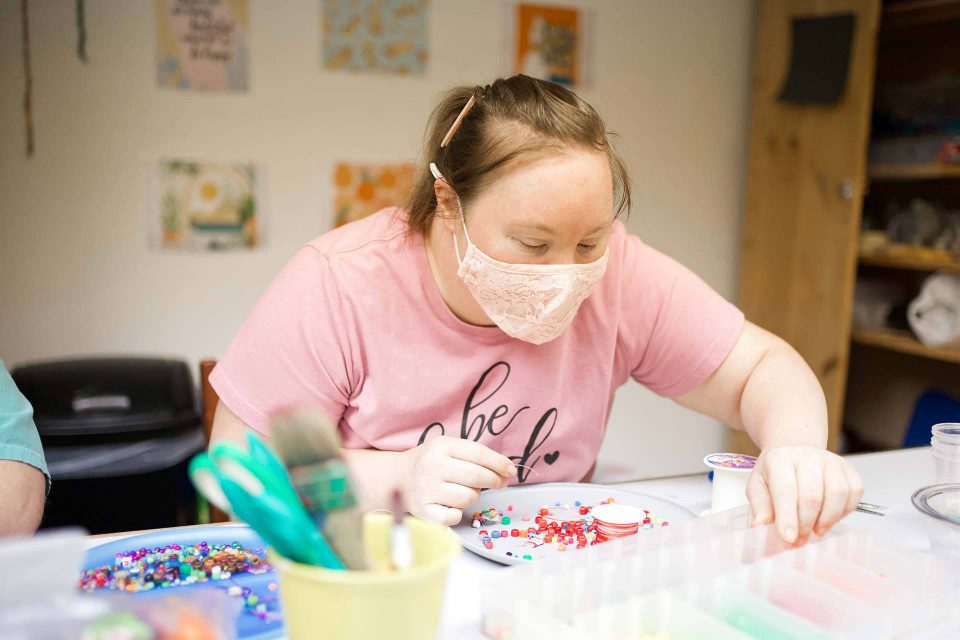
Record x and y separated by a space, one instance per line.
19 439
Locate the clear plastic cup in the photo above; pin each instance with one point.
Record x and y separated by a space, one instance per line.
946 435
946 452
941 504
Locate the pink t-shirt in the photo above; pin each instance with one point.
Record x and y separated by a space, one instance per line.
355 324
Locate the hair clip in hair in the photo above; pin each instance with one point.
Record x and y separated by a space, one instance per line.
456 123
436 172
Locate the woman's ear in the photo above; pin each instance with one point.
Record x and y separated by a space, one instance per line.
448 206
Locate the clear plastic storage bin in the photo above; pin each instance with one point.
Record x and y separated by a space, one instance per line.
717 577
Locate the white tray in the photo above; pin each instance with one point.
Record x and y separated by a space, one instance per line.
529 499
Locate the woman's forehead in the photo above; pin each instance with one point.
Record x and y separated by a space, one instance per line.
569 189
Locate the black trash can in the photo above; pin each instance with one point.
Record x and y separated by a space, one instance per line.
118 434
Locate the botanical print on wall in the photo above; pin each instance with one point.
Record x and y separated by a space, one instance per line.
548 43
202 44
204 206
362 189
375 35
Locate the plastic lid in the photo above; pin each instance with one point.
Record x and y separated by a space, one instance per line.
730 461
616 513
940 501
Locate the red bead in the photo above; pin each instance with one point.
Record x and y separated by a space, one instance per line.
514 533
544 512
483 532
584 510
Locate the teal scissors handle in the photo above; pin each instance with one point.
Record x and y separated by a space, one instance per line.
259 492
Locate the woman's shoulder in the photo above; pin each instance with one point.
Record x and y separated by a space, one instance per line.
375 252
380 231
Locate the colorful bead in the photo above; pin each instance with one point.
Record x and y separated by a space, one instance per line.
144 569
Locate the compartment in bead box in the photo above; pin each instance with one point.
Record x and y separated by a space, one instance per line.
717 576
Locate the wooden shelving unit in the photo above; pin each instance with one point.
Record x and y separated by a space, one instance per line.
805 200
919 171
911 263
903 342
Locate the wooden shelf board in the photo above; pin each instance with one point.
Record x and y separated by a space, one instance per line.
912 13
918 171
903 342
911 263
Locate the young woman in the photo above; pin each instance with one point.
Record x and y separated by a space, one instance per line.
476 337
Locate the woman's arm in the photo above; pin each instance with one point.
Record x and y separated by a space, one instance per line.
765 388
22 498
374 472
437 479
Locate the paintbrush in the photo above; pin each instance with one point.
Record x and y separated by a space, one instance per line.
872 509
308 444
401 548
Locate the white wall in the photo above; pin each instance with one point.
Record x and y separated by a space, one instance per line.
76 278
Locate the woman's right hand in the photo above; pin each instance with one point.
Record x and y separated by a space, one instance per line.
443 475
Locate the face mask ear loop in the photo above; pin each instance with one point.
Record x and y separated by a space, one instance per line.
463 221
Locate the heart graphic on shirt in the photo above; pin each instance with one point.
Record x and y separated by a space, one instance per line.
550 458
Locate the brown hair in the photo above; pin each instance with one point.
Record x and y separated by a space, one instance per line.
512 118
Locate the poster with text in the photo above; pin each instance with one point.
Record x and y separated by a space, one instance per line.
202 44
388 36
362 189
204 206
548 43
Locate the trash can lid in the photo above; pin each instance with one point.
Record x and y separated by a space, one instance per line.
108 395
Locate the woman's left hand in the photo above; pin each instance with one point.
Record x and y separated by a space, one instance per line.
804 489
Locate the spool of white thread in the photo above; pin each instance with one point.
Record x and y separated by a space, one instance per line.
730 474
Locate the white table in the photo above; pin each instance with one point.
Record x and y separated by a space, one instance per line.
890 479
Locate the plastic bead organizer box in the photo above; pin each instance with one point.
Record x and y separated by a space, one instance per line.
716 577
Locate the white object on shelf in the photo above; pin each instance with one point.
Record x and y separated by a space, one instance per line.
934 315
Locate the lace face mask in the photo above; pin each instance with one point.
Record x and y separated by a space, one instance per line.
530 302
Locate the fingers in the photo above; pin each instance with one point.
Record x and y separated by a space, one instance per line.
856 487
836 493
448 504
456 496
809 495
760 501
782 480
470 451
471 475
443 515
